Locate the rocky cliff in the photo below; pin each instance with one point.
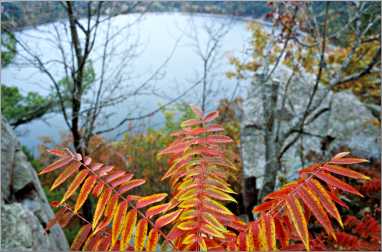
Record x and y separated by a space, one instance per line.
345 122
24 207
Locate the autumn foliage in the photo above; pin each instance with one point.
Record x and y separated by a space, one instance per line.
195 216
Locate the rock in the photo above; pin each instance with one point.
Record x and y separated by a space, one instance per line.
345 122
25 209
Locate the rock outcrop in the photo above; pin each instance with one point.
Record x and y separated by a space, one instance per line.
345 122
24 207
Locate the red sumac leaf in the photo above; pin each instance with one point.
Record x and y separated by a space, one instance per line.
148 200
119 215
190 122
140 235
62 162
167 219
330 180
101 206
154 210
81 236
75 184
216 139
211 116
130 185
68 171
84 193
58 153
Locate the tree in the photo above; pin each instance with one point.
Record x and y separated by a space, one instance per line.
19 109
206 41
301 37
86 84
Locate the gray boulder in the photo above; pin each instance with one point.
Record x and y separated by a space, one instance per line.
345 122
24 207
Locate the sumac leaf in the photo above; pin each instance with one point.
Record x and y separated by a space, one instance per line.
62 162
75 184
167 219
68 171
101 204
127 229
148 200
140 235
81 237
84 193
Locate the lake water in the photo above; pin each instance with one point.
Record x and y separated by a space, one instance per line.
158 36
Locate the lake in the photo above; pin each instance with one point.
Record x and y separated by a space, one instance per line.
165 41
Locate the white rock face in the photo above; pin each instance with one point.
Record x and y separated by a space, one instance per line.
24 207
347 122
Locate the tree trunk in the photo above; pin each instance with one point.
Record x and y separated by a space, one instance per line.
269 97
77 78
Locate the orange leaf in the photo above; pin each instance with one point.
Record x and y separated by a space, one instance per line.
190 122
214 222
69 171
111 205
242 241
127 229
187 225
330 180
104 170
122 180
325 199
84 193
344 171
211 116
167 219
74 185
174 148
282 233
62 162
264 206
152 240
96 166
58 153
348 161
105 223
217 194
313 203
98 188
215 128
216 206
119 216
217 139
81 236
154 210
130 185
140 235
101 206
55 219
297 217
267 233
114 175
148 200
210 230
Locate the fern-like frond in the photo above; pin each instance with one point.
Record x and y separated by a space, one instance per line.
115 207
313 194
198 173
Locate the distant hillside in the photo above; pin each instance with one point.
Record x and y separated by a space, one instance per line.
16 15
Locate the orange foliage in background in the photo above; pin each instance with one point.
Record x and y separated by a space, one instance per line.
195 217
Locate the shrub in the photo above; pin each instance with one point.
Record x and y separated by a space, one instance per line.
200 164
